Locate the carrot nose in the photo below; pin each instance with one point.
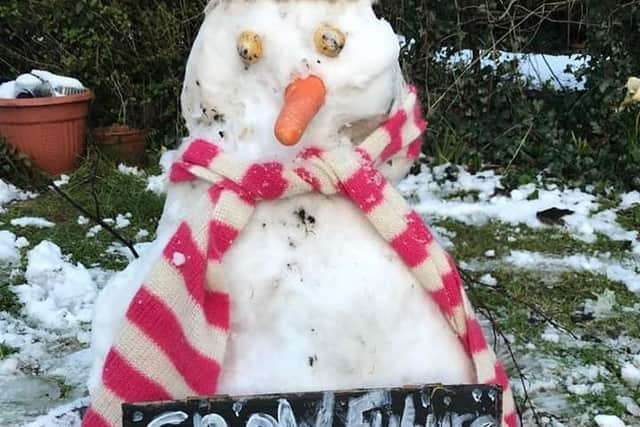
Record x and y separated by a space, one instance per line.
302 101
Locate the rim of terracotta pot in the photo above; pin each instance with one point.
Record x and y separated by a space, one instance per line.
117 130
87 95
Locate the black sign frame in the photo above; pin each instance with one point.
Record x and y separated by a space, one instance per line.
433 405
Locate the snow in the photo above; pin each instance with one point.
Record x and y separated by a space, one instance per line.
603 306
9 193
489 280
141 235
8 248
630 405
537 69
32 222
58 294
8 90
630 199
62 181
158 183
82 220
29 82
631 375
613 270
123 221
63 416
609 421
129 170
93 231
436 197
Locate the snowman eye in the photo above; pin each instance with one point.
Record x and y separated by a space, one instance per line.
329 41
249 47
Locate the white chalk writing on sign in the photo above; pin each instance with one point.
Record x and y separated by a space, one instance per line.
363 411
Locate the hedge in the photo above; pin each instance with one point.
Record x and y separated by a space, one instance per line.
133 54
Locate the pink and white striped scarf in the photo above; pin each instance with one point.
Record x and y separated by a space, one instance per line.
172 342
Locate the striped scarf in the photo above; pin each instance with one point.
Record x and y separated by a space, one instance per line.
172 342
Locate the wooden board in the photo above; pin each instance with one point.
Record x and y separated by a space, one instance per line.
441 406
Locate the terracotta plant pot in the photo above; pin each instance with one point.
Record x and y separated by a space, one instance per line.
122 143
51 131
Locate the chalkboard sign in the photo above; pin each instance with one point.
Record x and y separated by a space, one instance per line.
429 406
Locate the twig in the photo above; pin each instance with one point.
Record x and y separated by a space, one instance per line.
94 192
522 142
497 331
523 378
98 220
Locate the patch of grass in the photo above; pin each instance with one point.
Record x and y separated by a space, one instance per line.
6 351
116 193
65 389
8 300
630 218
519 298
560 296
473 242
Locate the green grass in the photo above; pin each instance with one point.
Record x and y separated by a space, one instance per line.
116 193
8 300
6 351
474 242
517 302
523 302
630 218
66 390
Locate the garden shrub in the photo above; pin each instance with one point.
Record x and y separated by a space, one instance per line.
133 55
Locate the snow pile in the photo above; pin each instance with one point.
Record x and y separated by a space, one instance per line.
58 295
613 270
537 69
123 221
32 222
603 306
609 421
39 83
630 372
65 416
585 380
62 181
630 199
129 170
9 252
476 199
9 193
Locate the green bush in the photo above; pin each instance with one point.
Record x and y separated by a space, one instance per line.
133 55
480 116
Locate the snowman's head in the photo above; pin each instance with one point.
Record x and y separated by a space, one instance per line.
267 78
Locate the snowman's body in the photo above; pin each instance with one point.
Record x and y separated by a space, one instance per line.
318 299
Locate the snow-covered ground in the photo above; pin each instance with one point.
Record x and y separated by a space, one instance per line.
44 378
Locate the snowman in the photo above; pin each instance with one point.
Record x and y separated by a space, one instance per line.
276 269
